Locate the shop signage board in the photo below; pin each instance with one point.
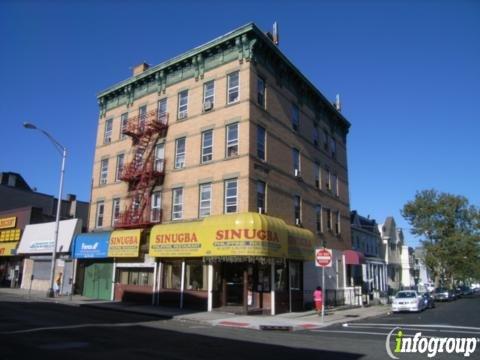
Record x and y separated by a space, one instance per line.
8 248
8 222
91 246
10 235
124 243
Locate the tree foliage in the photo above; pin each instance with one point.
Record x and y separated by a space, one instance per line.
449 228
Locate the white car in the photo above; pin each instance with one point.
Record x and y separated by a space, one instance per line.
408 300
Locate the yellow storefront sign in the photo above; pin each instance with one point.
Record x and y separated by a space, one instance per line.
124 243
10 235
8 222
247 234
8 248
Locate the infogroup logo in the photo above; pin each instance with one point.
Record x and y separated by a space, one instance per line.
428 345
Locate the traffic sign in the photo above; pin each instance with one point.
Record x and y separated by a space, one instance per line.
323 257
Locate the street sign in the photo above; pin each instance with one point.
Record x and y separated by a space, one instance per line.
323 257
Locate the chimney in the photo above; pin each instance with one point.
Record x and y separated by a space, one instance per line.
138 69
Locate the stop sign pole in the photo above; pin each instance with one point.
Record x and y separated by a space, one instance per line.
323 259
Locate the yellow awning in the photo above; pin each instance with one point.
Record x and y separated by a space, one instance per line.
8 248
245 234
124 243
300 243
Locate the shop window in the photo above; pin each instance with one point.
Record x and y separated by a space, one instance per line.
280 278
195 275
172 275
295 275
135 276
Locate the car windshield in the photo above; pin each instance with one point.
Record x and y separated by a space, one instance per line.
404 295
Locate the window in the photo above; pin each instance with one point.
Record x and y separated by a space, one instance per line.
325 140
328 180
159 162
318 176
296 161
103 171
180 153
233 85
316 136
183 104
172 275
231 196
142 117
123 125
335 184
107 136
297 208
208 95
207 146
333 147
135 276
295 275
261 136
162 111
318 218
337 222
295 117
329 219
232 140
261 186
120 166
177 204
156 213
195 275
205 201
115 210
100 214
261 92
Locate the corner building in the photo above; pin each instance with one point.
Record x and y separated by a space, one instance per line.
231 167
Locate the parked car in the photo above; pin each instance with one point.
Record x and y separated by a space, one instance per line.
408 300
443 294
429 300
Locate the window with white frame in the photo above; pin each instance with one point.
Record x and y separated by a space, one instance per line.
159 160
231 196
100 214
107 136
177 204
296 161
318 176
261 92
115 210
162 111
183 104
120 166
207 146
261 142
318 218
232 140
208 95
142 117
297 205
156 207
261 203
335 184
295 117
328 214
337 222
205 200
180 153
328 179
123 125
103 171
233 86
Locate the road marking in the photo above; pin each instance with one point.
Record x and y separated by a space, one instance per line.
66 327
364 333
418 325
408 327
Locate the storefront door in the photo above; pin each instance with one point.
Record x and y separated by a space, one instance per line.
98 281
233 277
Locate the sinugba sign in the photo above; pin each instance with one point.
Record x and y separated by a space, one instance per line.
431 346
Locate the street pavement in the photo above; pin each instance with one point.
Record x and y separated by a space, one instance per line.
34 328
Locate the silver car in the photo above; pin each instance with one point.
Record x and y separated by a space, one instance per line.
408 300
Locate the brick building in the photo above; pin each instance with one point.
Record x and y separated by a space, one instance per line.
227 137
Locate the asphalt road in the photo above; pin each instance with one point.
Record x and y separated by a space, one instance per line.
39 330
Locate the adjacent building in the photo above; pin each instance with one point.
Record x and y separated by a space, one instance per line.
218 172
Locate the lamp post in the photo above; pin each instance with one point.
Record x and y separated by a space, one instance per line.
63 151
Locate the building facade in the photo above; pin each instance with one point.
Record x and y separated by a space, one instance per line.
228 130
392 244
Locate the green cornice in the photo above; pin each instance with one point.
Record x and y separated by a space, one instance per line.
239 44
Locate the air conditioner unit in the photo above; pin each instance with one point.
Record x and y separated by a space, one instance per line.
297 172
261 210
207 105
182 115
298 222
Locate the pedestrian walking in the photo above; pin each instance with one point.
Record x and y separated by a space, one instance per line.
318 299
57 284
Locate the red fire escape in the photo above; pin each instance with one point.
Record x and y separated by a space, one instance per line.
145 171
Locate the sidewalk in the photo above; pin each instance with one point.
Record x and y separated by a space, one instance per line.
306 320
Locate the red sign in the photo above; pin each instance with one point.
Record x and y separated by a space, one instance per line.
323 257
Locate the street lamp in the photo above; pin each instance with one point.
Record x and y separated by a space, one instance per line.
63 151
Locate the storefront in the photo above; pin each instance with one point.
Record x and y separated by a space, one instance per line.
245 263
94 270
36 245
10 262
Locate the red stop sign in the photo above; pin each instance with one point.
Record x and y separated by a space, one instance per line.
323 257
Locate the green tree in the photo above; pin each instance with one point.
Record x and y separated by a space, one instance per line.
449 229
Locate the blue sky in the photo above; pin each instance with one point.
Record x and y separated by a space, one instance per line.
408 73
